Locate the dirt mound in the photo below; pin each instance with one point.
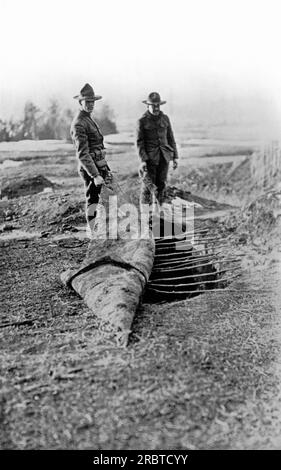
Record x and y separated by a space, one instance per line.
218 178
202 204
263 212
25 186
52 213
46 211
258 219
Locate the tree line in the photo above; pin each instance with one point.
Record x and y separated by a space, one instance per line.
53 123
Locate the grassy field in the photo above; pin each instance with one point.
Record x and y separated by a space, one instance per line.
202 373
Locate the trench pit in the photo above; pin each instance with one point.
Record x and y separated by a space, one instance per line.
189 265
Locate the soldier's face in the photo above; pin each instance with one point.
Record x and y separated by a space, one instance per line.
154 109
88 105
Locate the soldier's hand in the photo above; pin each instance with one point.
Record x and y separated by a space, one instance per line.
109 178
175 164
109 182
98 180
142 169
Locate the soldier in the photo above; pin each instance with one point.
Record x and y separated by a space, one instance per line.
156 145
88 141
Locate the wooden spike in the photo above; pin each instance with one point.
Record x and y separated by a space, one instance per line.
202 291
187 253
185 240
189 266
190 260
212 257
152 284
194 275
174 238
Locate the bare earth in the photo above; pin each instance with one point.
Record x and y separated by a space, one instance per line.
198 374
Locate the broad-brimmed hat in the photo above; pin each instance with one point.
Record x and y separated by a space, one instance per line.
154 98
87 93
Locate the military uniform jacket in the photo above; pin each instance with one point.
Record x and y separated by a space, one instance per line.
155 137
88 142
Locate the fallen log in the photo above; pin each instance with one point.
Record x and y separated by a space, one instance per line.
113 275
111 281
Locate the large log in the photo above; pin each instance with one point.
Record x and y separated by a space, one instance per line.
112 278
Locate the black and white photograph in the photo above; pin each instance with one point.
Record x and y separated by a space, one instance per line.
140 216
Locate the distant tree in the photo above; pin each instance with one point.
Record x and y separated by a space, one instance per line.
65 123
29 125
106 120
4 134
11 130
15 130
48 126
54 119
54 123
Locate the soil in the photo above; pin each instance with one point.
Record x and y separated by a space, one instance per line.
200 373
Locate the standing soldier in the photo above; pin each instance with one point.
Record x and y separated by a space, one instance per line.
156 145
88 141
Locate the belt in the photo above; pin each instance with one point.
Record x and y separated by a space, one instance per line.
101 163
98 155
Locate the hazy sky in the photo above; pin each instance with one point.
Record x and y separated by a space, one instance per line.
126 48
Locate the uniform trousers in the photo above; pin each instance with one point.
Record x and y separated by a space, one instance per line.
156 174
92 192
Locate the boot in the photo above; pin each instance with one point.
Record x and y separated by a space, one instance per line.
91 219
161 196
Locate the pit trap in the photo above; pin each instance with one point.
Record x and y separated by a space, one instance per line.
188 265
